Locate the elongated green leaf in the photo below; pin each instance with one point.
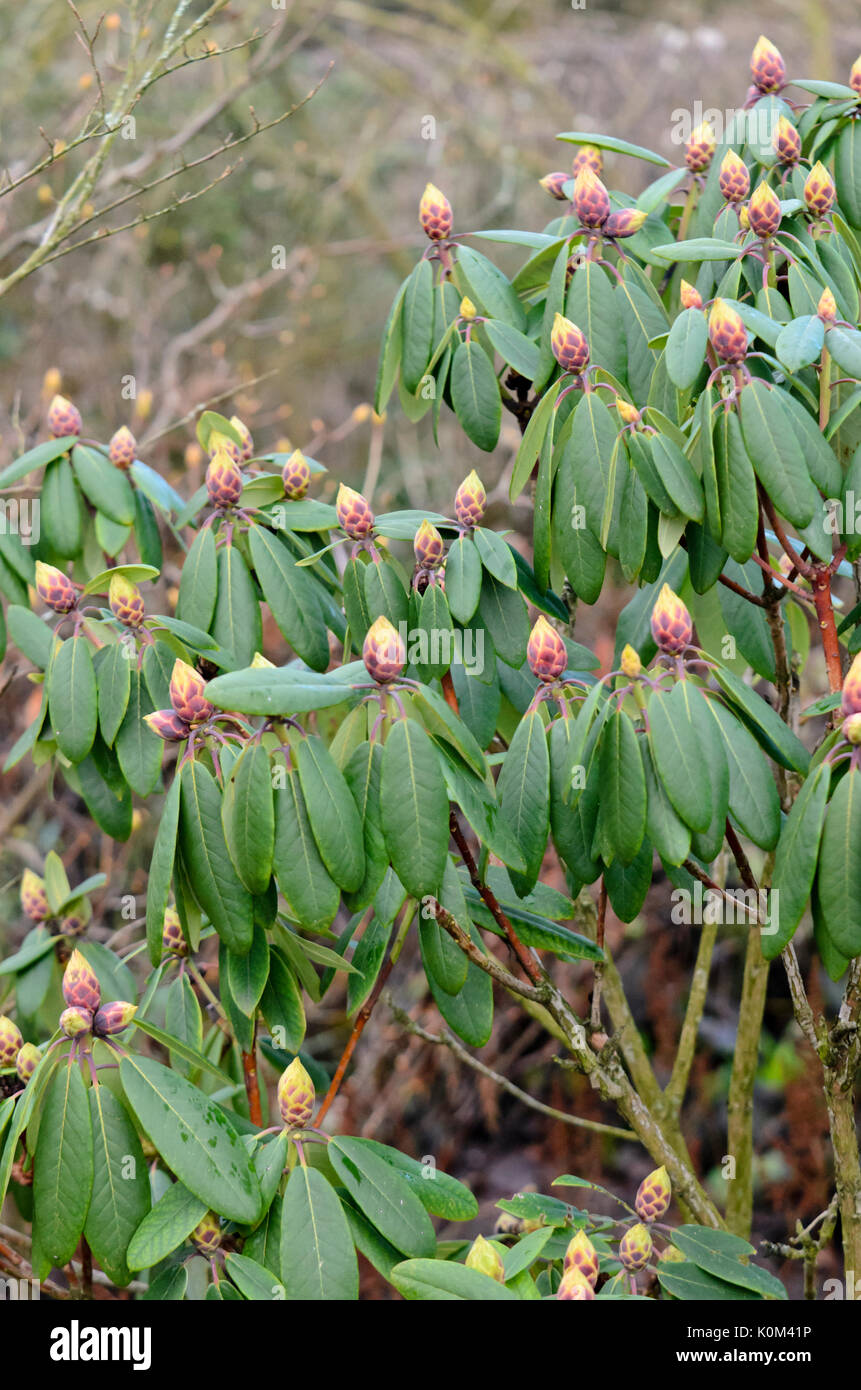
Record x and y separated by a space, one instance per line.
764 723
753 800
489 288
795 861
216 886
165 1226
236 625
417 319
63 1168
736 487
718 1253
332 812
463 578
800 342
161 871
121 1190
514 348
139 750
248 817
199 583
281 1003
299 869
686 348
523 790
180 1048
291 596
248 974
113 689
441 1280
73 698
60 509
383 1195
775 453
414 808
318 1262
105 486
194 1137
623 789
839 877
475 394
676 751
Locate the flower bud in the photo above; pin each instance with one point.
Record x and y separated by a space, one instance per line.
27 1061
671 1255
630 662
295 1096
554 184
727 333
51 382
223 480
470 500
851 702
486 1259
546 652
34 899
819 191
467 309
635 1247
113 1018
690 296
54 588
587 157
126 601
64 419
653 1195
743 219
168 725
852 729
219 443
206 1236
428 546
767 67
80 984
700 148
172 936
629 413
383 651
186 694
827 306
11 1041
734 179
75 1021
296 475
73 925
122 449
855 76
575 1287
246 448
582 1256
624 223
672 628
591 201
435 214
763 211
354 513
568 345
786 142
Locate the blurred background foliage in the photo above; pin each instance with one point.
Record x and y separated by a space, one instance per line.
284 270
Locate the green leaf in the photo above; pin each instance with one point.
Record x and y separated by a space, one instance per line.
236 625
161 871
524 791
390 353
248 817
775 453
622 820
181 1049
281 1004
489 288
753 800
105 486
216 886
165 1226
533 437
253 1281
441 1280
676 750
800 342
194 1137
678 477
417 326
198 584
496 557
698 249
302 876
291 596
475 394
444 962
248 974
610 142
463 578
112 679
139 750
717 1253
839 876
795 861
383 1195
332 812
183 1019
60 509
514 348
844 344
121 1190
764 723
283 690
686 1281
63 1167
414 808
31 635
592 305
73 698
37 457
318 1262
686 348
503 612
736 487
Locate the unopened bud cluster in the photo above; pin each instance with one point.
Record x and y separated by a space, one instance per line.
189 705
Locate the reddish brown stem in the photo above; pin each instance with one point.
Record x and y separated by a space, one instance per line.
252 1084
828 627
599 965
358 1028
448 692
528 962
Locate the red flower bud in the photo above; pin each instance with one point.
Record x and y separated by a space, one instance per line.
624 223
470 501
168 725
653 1195
587 157
246 450
690 296
575 1287
54 588
734 178
296 475
591 201
727 333
635 1247
172 936
851 701
700 148
819 191
767 67
34 899
672 628
295 1096
383 651
428 546
81 987
206 1235
186 694
113 1018
582 1256
546 652
27 1061
122 449
223 480
763 211
75 1021
11 1041
435 214
554 184
786 142
63 418
354 513
568 345
126 601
